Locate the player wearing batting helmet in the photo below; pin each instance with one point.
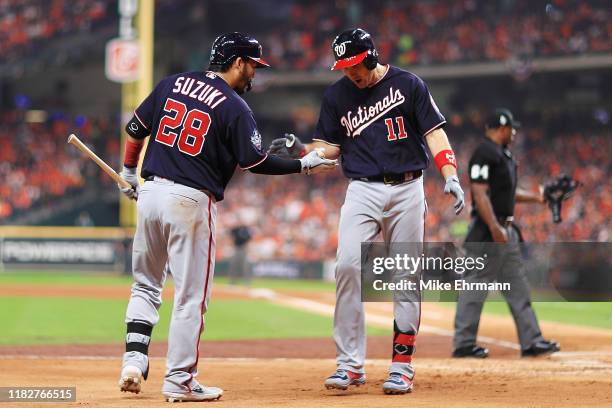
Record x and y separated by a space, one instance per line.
378 118
200 129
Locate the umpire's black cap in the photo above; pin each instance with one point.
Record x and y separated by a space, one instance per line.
502 117
231 45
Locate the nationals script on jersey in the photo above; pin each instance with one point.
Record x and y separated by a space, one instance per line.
380 129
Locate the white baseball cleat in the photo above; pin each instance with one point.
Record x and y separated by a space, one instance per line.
131 379
341 379
198 393
397 384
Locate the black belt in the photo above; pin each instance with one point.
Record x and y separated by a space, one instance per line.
505 221
393 178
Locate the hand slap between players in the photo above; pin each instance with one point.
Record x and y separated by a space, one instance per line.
315 162
287 146
453 187
129 175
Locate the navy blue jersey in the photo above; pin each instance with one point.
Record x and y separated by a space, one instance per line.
380 129
201 129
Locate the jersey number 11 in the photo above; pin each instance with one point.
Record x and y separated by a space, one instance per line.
391 136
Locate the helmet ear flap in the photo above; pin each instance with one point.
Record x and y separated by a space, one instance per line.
371 60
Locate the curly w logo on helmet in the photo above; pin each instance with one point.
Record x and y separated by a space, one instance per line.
340 49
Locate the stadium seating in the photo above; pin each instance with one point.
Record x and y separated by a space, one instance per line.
297 35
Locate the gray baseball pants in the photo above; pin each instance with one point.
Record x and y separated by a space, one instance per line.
175 231
370 208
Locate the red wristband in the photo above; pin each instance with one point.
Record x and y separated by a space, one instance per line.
445 157
132 153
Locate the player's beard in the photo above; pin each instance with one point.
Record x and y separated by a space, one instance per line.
244 80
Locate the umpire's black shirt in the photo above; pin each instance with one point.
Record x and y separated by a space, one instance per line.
494 165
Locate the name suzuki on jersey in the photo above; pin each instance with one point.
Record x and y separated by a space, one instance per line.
199 90
366 115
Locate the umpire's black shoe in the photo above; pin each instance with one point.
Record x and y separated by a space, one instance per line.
471 351
541 348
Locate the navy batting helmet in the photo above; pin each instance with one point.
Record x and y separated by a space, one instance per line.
228 46
352 47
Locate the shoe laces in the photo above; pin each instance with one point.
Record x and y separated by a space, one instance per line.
196 386
396 376
340 373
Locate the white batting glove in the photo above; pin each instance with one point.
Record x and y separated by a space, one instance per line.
453 187
129 175
314 163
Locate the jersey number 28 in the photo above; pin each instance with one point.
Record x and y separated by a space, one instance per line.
193 126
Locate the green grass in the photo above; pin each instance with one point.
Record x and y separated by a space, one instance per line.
82 321
108 279
28 277
56 321
593 314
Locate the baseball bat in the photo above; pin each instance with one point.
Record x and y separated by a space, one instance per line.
73 140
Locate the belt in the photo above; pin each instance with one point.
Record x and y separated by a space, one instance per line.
506 221
393 178
168 181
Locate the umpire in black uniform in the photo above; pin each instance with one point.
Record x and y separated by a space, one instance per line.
493 180
239 265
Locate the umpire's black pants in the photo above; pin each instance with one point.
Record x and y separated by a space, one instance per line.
504 264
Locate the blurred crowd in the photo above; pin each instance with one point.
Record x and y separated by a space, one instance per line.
38 168
26 25
441 31
296 217
296 35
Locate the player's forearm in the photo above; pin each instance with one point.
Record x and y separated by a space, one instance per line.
274 165
438 143
331 152
524 196
131 152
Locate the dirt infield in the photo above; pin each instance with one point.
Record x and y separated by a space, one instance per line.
298 383
289 373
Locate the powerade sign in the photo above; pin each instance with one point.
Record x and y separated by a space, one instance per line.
277 269
288 269
56 251
271 269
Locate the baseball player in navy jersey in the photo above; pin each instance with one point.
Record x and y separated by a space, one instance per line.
200 129
378 119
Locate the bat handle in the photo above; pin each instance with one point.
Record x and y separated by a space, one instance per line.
73 140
